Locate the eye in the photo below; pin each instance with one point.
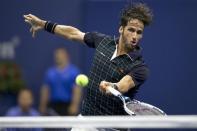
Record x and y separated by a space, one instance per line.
139 32
131 29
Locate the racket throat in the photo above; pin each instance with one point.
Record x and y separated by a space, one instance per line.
126 100
128 111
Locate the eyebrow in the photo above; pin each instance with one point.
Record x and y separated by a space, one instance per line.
135 28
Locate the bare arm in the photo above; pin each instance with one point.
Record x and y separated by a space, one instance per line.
75 103
67 32
44 98
70 33
124 85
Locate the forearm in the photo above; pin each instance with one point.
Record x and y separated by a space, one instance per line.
67 32
76 96
74 107
125 84
44 96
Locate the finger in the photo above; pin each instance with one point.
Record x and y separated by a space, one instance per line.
27 17
33 33
30 15
31 29
101 88
27 21
106 90
103 83
106 83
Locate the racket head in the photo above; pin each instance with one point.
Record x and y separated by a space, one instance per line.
141 108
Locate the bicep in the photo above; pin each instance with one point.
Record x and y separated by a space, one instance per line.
76 35
70 33
79 37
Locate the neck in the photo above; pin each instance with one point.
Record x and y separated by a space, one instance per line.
121 49
62 65
24 109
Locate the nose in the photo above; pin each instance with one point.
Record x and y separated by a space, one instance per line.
134 36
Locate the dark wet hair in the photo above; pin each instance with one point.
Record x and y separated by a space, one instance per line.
138 11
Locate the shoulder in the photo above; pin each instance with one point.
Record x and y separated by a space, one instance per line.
92 39
140 67
94 35
13 111
74 69
139 73
51 70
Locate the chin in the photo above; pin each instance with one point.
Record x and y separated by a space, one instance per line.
130 47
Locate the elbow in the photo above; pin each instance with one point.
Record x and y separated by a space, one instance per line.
69 37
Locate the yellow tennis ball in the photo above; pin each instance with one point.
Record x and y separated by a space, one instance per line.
82 80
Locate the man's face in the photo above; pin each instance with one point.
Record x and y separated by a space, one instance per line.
61 56
25 100
132 33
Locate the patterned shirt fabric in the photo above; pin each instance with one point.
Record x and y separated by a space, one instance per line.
112 70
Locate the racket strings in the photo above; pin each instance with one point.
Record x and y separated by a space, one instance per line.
141 108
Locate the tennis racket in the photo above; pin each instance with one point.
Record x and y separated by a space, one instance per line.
135 107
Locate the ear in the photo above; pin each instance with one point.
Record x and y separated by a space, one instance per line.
120 29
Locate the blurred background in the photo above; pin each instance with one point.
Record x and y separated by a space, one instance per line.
169 48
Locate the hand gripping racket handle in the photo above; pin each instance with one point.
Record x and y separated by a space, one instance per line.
113 91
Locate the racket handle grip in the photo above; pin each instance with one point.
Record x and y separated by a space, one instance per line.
113 91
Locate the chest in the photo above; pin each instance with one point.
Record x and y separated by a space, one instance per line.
60 77
104 68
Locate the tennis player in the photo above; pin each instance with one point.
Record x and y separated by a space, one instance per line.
117 61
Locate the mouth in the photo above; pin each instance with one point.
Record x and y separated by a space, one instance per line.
133 43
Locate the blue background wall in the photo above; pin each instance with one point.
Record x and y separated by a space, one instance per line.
169 44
